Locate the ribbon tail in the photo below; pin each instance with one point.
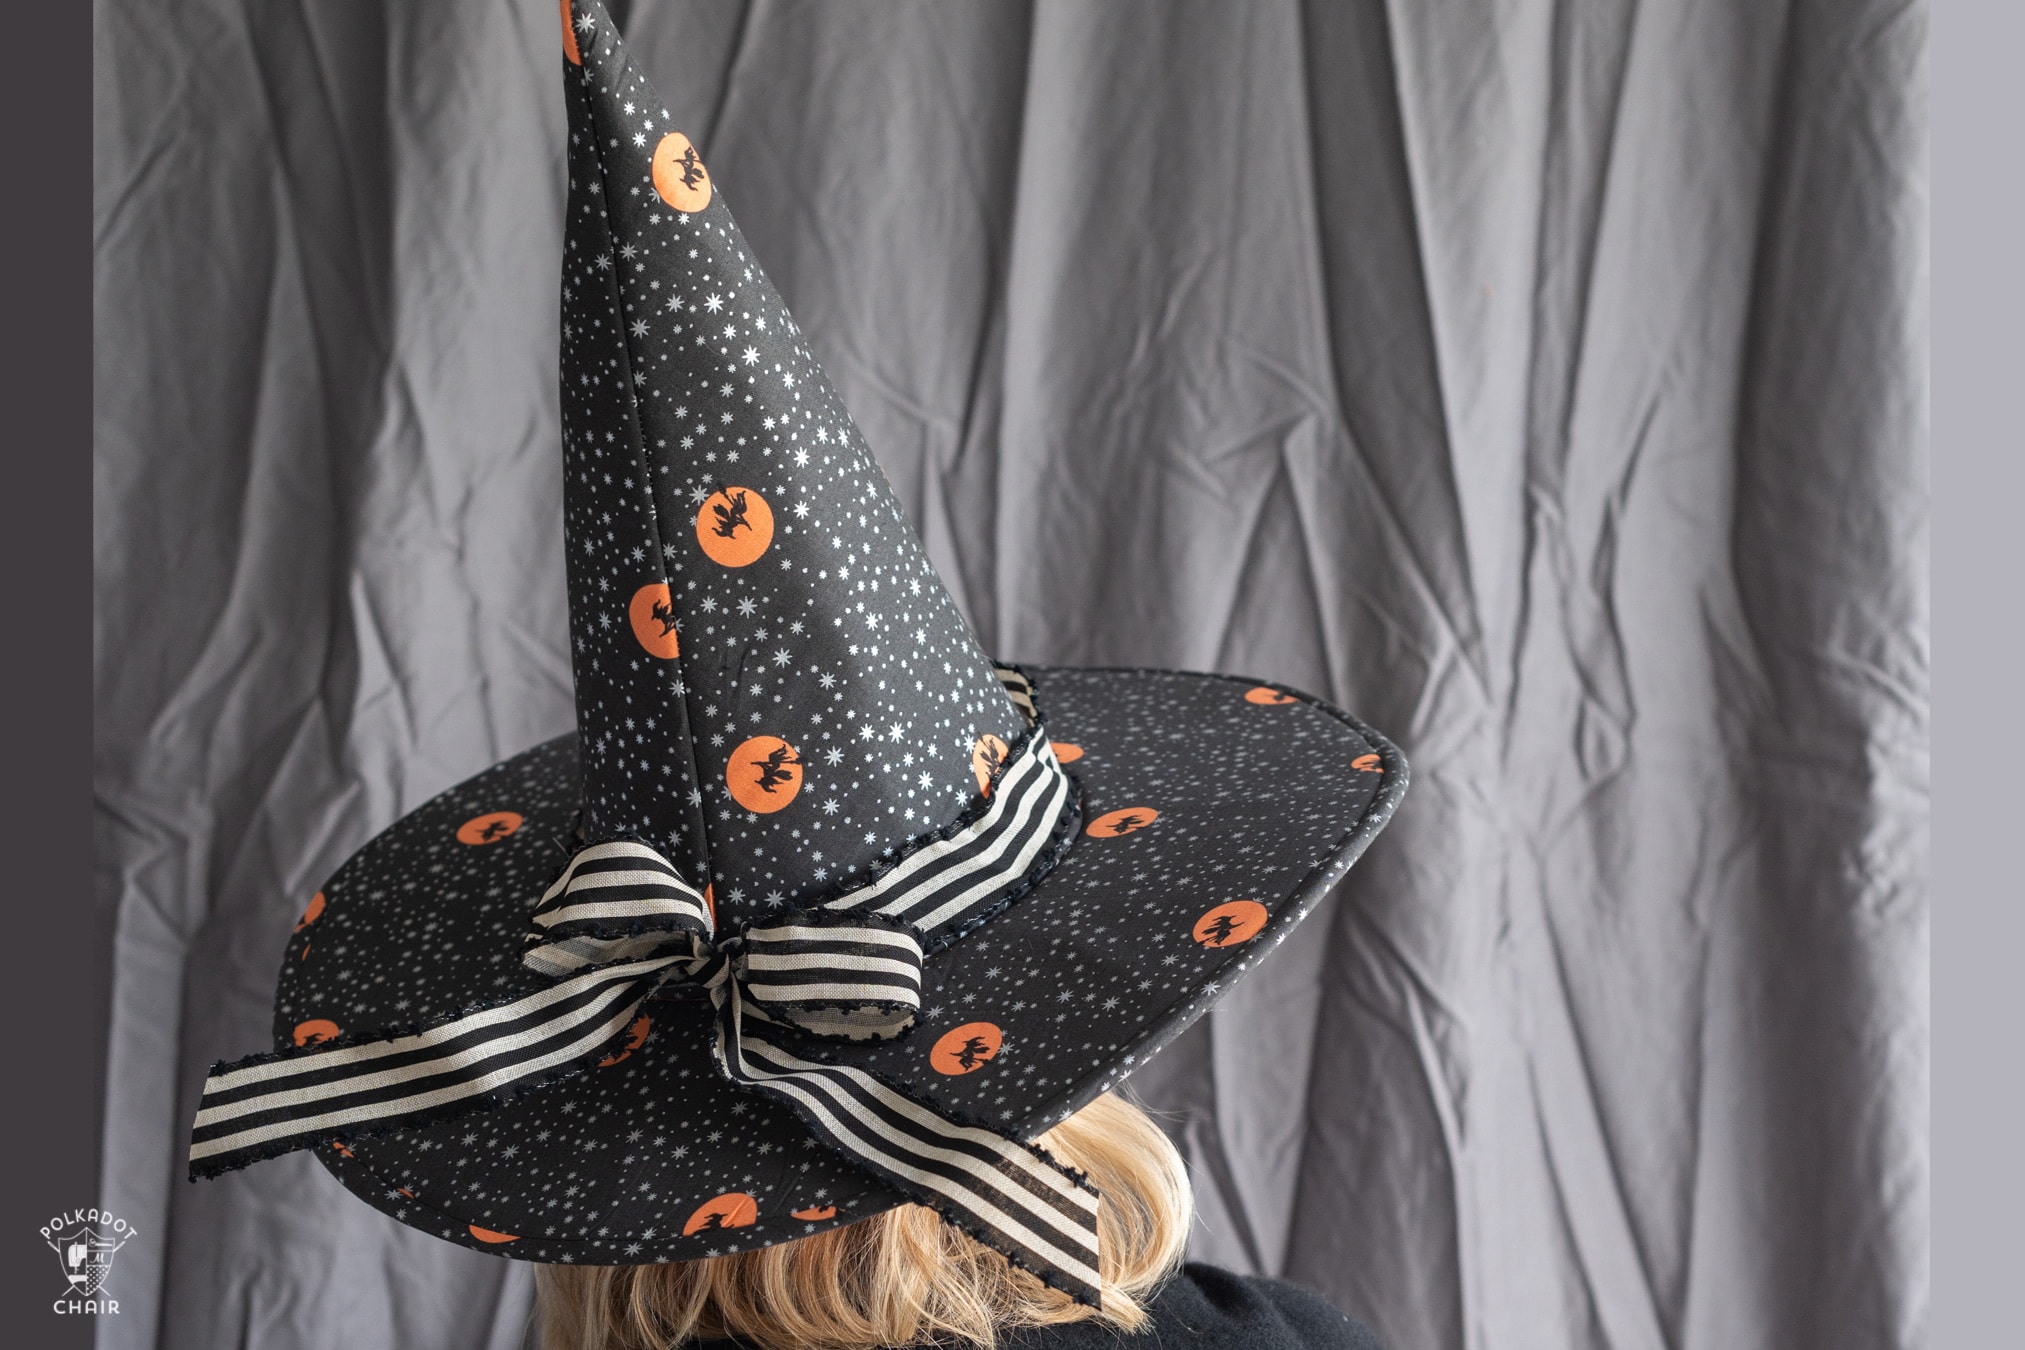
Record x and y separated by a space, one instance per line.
1002 1191
269 1104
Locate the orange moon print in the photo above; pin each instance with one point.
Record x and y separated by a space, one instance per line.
679 176
490 1234
986 758
311 914
734 525
966 1050
1366 764
1122 821
764 774
576 58
814 1213
1271 698
489 828
733 1209
1066 752
636 1036
1231 923
315 1031
652 614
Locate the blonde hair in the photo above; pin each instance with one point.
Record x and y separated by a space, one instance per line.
896 1278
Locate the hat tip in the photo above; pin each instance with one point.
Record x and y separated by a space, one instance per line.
581 20
612 88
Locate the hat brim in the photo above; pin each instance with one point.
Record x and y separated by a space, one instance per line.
1248 809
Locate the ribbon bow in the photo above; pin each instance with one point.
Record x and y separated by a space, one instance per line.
826 972
621 923
846 974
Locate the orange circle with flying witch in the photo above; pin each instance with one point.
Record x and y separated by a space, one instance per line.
651 612
1270 698
966 1050
733 1209
679 176
1230 923
489 828
734 525
1066 752
576 58
315 1031
764 774
987 757
1122 821
636 1036
491 1234
814 1213
311 914
1367 764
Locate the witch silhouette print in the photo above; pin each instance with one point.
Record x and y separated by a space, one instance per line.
1230 923
966 1049
1221 930
730 514
735 525
734 1209
777 768
808 903
764 775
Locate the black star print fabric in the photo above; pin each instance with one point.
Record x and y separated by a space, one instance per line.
773 686
775 691
1216 813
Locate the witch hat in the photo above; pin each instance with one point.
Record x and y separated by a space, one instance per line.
819 910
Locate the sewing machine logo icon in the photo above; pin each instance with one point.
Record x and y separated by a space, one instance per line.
84 1242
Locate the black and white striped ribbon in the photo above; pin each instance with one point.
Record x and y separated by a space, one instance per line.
621 922
1004 1192
1019 689
939 887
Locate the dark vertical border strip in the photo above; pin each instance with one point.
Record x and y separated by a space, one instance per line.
55 998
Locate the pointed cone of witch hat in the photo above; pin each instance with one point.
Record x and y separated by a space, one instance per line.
930 940
768 669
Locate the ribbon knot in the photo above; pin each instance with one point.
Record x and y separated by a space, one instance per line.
844 974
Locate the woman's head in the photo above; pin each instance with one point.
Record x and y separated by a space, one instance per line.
897 1277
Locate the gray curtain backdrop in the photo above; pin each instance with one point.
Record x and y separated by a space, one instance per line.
1544 382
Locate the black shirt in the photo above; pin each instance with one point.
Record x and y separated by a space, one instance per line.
1205 1308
